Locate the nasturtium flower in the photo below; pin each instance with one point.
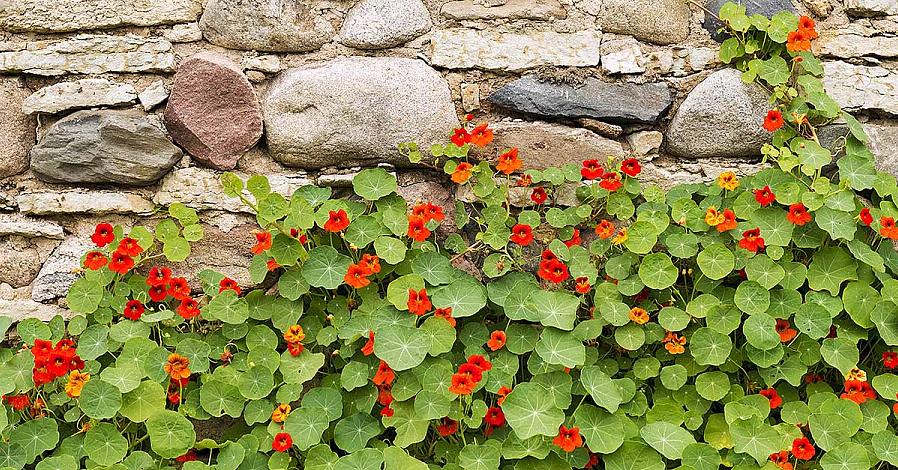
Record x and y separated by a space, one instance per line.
773 120
445 313
356 276
387 412
887 228
384 374
471 370
591 170
228 284
179 288
371 263
781 459
538 195
802 449
447 427
568 439
281 413
282 442
129 246
417 228
133 310
272 265
509 162
368 348
865 216
188 308
639 315
593 461
103 235
429 211
496 341
611 181
605 229
785 331
524 181
553 271
177 366
856 374
621 237
713 217
461 384
95 260
501 394
631 167
158 293
295 349
798 41
17 402
728 181
574 240
337 221
294 334
729 221
674 343
890 359
772 395
495 417
299 235
460 137
581 285
481 135
418 302
76 383
751 240
159 276
462 173
121 263
798 214
480 362
522 234
765 196
858 391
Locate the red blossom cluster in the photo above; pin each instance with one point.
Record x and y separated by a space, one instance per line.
552 269
52 362
418 302
357 274
162 286
383 380
122 259
469 375
294 337
858 391
417 221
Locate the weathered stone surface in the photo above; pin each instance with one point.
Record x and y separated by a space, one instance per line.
74 15
767 8
543 145
22 309
262 63
16 224
597 99
847 45
381 24
187 32
622 56
721 117
513 10
602 128
224 251
355 110
884 144
16 129
645 142
265 25
107 146
82 202
657 21
461 48
90 54
200 189
860 87
59 272
470 96
668 172
153 95
871 7
213 112
85 93
19 264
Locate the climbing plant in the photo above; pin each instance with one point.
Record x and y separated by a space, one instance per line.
565 317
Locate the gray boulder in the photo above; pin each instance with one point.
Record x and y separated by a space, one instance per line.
16 128
381 24
656 21
265 25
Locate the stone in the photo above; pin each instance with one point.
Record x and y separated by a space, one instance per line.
861 87
470 96
106 146
262 63
667 172
19 225
187 32
60 270
602 128
871 7
90 54
265 25
820 8
884 145
645 142
767 8
622 56
381 24
538 10
213 112
153 95
227 252
16 129
542 145
44 16
594 98
84 93
79 201
22 309
721 117
461 48
847 45
655 21
19 264
354 111
200 189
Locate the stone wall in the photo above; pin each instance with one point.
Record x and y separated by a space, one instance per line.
111 109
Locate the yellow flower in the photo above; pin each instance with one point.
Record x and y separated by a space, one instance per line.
76 383
294 334
713 217
639 316
621 237
728 181
856 374
280 414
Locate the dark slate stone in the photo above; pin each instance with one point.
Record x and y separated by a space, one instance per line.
767 8
596 99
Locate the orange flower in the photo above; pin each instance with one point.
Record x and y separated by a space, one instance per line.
798 214
509 161
418 302
581 285
482 135
280 414
785 330
294 334
480 362
798 41
263 242
728 181
887 228
336 221
729 221
502 393
356 276
497 340
371 263
808 26
177 367
95 260
713 217
639 316
384 374
368 348
751 240
462 384
674 343
417 228
445 313
773 396
272 265
462 173
605 229
76 383
568 439
781 459
228 284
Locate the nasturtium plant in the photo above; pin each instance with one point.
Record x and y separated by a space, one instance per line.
566 318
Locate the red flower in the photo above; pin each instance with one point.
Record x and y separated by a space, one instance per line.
387 412
729 221
568 439
462 173
605 229
336 221
538 195
282 442
121 263
385 395
547 255
770 394
575 239
103 235
159 276
773 120
890 359
158 293
553 271
472 371
295 349
371 264
384 374
429 212
496 341
263 243
592 462
798 41
17 402
460 137
417 228
188 309
480 362
42 348
178 288
481 135
133 310
418 302
228 284
95 260
445 313
591 170
296 233
190 456
611 181
798 214
751 240
356 276
765 196
462 384
582 285
802 449
865 216
509 162
447 427
495 417
784 330
887 228
129 246
631 167
522 234
858 391
368 348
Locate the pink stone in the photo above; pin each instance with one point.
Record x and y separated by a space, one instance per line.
213 112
